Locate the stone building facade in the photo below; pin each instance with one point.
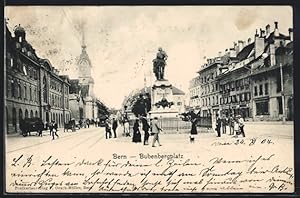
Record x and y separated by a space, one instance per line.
255 78
204 89
33 87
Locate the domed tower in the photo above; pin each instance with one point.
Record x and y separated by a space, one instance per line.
20 33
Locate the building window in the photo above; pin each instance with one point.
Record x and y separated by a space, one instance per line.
243 97
52 100
25 92
20 39
266 89
260 90
278 82
234 98
255 91
262 108
217 99
19 91
178 103
26 113
11 62
13 90
44 90
30 93
279 100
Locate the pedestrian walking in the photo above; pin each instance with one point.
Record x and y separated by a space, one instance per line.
136 132
231 125
193 130
107 130
53 129
241 125
224 124
218 125
236 126
114 127
155 130
145 128
126 128
88 123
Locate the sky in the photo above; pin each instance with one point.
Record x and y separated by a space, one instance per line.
122 41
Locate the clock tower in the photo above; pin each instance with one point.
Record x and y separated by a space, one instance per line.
84 68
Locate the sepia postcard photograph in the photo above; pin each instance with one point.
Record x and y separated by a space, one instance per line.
149 99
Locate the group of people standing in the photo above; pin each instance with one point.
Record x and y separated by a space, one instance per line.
235 124
142 124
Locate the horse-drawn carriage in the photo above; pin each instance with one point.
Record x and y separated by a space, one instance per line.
72 125
29 125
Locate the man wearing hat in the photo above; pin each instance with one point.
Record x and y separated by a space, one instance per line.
241 125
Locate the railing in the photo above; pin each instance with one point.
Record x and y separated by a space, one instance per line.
177 125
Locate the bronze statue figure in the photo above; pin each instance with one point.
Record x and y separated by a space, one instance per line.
159 64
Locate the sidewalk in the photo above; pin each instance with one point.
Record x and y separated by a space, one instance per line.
270 122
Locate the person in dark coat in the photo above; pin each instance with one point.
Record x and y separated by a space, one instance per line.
145 128
107 130
136 132
218 125
193 130
53 129
114 127
231 125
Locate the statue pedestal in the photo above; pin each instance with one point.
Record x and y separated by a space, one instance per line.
161 97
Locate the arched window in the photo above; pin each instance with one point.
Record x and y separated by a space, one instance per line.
30 93
20 114
45 90
52 100
25 92
31 113
26 113
13 90
36 114
14 118
19 91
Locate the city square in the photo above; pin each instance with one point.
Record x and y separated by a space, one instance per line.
172 107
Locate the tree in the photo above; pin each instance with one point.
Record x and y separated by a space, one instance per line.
141 105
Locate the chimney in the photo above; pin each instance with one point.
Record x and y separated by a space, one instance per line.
267 30
249 41
232 52
259 44
256 33
241 45
236 47
272 55
263 35
276 31
291 34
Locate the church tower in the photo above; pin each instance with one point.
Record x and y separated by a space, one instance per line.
84 68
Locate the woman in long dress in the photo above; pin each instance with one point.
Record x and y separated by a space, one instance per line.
193 130
136 132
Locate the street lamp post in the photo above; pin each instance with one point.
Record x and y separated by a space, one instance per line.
282 95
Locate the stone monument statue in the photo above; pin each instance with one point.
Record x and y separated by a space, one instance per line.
159 64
